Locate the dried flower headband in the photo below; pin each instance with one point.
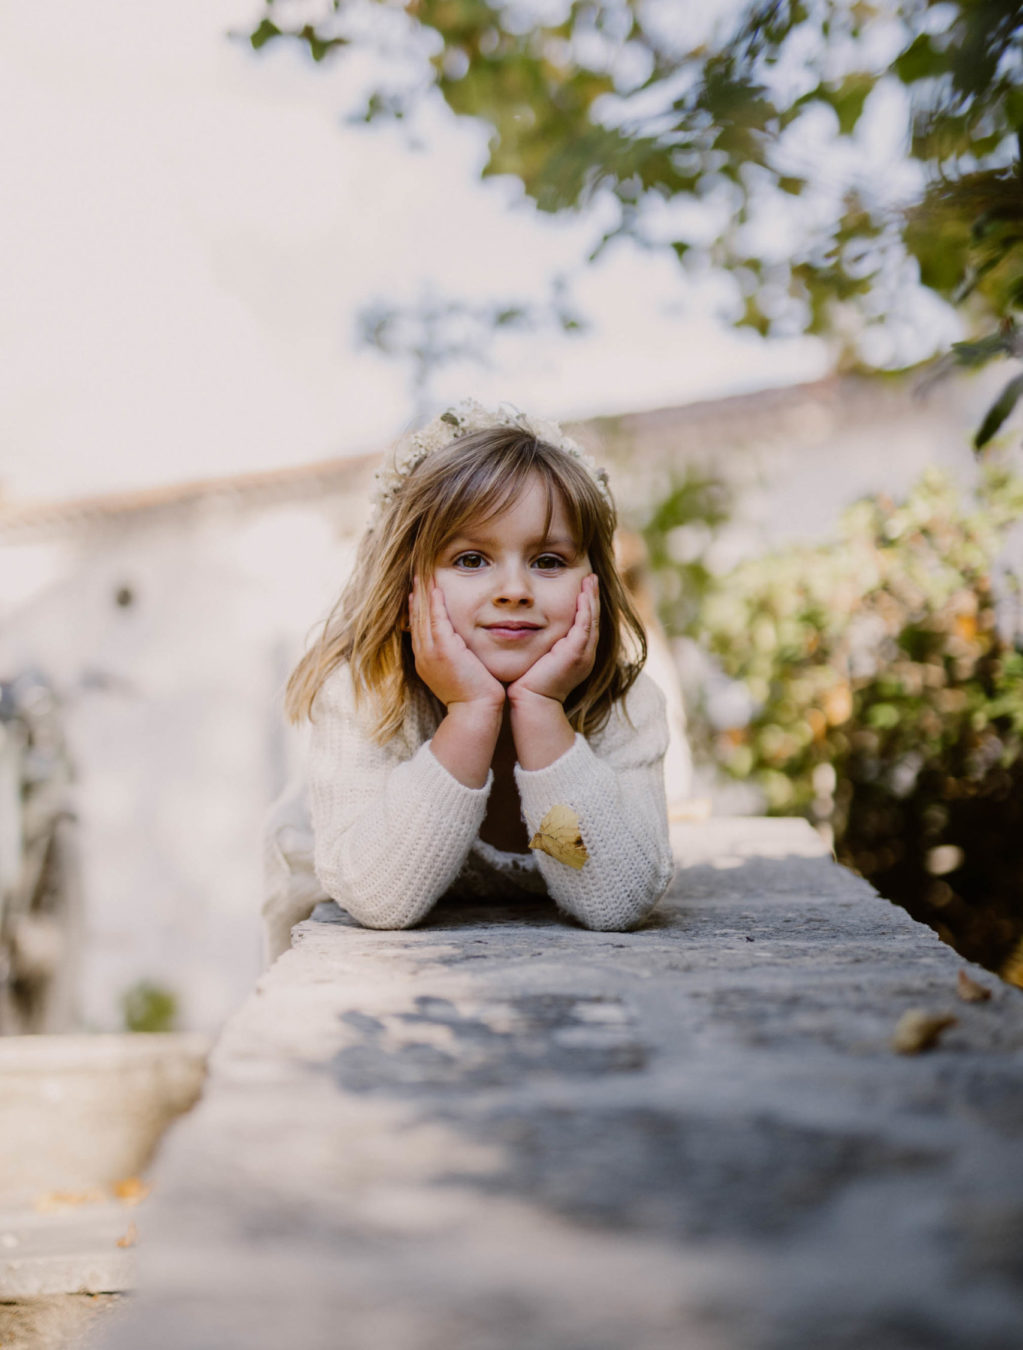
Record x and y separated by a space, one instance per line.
463 419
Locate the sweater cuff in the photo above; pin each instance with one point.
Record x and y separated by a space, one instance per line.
560 782
444 788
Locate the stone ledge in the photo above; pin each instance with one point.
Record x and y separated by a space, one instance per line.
499 1131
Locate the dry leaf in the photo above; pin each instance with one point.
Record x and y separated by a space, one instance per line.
54 1201
130 1238
969 990
559 837
132 1190
919 1029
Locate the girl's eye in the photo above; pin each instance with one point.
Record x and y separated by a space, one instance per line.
549 562
471 562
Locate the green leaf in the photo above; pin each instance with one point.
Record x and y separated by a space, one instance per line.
983 350
920 61
848 99
319 46
999 411
1014 107
265 33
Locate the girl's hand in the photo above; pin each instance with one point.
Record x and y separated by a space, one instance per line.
443 662
555 674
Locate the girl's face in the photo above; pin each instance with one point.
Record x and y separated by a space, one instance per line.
510 586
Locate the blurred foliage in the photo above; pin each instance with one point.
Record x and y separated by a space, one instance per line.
749 112
887 700
147 1006
677 536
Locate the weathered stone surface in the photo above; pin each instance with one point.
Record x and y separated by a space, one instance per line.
74 1251
500 1131
57 1322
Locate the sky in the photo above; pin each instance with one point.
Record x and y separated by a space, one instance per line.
188 231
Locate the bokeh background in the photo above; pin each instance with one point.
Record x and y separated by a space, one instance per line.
764 259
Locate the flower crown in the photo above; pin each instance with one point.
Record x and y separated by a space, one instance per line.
461 420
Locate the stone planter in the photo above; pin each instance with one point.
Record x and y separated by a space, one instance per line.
80 1115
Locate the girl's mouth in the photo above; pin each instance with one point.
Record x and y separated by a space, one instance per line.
512 630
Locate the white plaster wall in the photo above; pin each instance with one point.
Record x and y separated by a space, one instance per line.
171 713
172 703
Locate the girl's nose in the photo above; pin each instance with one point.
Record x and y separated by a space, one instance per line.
513 589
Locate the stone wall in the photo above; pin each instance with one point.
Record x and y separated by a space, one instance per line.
500 1131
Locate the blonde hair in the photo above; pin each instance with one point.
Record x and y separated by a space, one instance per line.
473 478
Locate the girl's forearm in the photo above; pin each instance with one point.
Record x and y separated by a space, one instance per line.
541 731
464 742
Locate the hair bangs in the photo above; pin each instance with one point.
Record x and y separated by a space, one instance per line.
484 473
479 482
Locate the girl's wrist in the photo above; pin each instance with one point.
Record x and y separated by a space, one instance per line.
530 701
483 713
465 741
541 731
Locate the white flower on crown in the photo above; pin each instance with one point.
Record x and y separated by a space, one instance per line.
463 419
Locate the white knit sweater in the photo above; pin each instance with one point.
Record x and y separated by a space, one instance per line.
394 830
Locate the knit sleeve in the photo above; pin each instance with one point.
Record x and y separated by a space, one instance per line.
391 825
616 786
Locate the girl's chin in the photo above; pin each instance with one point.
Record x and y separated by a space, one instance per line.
509 666
509 673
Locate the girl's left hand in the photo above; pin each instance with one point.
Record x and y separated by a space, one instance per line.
555 674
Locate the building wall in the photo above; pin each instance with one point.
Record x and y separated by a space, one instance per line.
169 634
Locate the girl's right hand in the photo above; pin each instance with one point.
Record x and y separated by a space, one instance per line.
443 662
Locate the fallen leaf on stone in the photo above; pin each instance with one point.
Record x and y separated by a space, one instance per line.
54 1201
969 990
130 1238
132 1190
918 1030
559 837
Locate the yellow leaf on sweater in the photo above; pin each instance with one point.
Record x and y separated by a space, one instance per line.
559 837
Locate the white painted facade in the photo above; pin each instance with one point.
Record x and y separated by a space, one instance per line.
172 699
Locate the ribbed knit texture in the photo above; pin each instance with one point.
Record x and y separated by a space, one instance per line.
394 830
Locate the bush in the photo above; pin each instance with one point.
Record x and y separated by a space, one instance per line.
887 702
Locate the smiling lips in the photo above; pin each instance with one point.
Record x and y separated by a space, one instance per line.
513 628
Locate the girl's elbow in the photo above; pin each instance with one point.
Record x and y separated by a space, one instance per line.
368 910
633 910
381 912
621 918
600 923
385 923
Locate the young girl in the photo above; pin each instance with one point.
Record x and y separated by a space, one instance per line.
480 725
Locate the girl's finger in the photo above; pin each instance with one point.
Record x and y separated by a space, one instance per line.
438 611
589 609
424 631
442 628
